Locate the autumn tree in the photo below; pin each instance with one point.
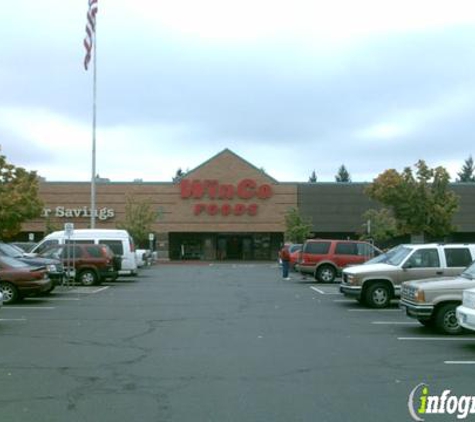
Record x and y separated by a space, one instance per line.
342 176
19 199
380 225
422 204
139 218
466 174
297 228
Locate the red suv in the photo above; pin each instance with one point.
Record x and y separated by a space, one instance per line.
92 263
325 258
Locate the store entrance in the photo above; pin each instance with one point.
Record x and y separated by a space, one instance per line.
225 246
234 247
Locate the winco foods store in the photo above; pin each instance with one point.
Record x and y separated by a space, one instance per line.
225 209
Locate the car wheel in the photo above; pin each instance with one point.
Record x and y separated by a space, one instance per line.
325 274
446 320
47 292
10 292
378 296
427 322
88 278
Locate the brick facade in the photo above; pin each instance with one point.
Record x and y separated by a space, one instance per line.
176 214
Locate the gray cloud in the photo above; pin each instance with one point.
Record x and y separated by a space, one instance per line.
291 95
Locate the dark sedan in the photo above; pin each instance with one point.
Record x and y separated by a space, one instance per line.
18 280
54 267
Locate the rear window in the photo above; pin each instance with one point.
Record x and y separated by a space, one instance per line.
115 245
94 251
318 248
457 257
346 249
69 252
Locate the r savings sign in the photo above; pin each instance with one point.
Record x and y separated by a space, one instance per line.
218 196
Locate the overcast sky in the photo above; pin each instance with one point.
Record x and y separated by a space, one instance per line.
290 86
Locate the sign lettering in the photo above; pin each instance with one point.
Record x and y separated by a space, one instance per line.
245 189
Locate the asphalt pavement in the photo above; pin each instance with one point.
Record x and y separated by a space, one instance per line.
221 342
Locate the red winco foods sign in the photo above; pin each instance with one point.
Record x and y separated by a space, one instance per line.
216 195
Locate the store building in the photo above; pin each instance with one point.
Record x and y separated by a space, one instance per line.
225 209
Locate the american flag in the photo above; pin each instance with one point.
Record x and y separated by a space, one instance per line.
90 31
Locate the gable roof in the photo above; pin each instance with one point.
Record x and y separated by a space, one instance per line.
228 152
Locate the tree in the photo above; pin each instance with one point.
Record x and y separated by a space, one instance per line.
466 174
139 217
312 178
50 226
297 228
19 200
178 176
343 176
421 204
380 225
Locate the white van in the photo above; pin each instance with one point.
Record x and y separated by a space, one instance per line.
119 241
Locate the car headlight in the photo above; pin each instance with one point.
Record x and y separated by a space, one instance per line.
419 296
469 299
51 268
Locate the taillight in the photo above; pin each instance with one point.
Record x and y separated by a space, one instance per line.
132 246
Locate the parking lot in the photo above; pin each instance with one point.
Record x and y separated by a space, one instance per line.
219 342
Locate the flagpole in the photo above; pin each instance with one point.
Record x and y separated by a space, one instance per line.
94 94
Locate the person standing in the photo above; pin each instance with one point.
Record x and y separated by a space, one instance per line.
284 255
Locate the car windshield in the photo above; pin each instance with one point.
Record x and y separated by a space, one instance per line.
377 259
469 272
295 248
53 252
397 255
9 250
12 262
384 257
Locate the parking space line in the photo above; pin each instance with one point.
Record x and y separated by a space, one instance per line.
12 319
100 289
394 323
436 338
82 290
47 308
374 310
58 299
317 290
323 292
459 362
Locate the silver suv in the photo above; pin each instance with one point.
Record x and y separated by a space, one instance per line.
376 283
433 302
